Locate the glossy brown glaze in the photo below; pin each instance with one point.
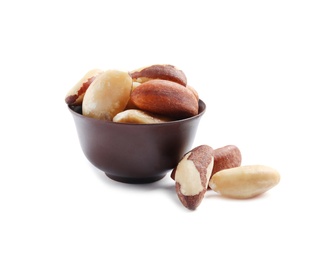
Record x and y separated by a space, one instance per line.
135 153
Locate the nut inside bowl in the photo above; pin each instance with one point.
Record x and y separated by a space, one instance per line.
135 153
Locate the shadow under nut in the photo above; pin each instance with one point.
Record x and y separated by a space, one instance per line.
165 98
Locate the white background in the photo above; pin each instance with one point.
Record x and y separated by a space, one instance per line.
252 62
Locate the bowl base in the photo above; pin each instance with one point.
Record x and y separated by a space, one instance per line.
135 180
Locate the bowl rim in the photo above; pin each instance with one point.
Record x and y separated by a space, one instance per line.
201 104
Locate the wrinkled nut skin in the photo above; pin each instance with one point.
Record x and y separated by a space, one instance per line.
226 157
159 71
107 95
135 116
244 182
76 93
192 175
165 98
196 94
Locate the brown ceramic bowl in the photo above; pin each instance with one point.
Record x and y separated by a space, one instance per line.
135 153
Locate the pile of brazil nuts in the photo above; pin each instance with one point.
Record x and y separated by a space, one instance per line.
160 93
204 168
153 94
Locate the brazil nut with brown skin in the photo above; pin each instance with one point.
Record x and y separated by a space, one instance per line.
192 175
159 71
76 93
165 98
225 157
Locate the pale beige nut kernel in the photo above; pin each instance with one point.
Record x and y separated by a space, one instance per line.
107 95
76 93
244 181
135 116
135 85
192 175
159 71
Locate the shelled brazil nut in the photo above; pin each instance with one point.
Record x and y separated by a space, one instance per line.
244 182
156 94
227 177
76 93
166 98
192 175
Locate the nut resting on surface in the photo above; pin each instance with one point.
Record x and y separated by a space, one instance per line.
159 71
244 181
76 93
107 95
192 175
226 157
165 98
